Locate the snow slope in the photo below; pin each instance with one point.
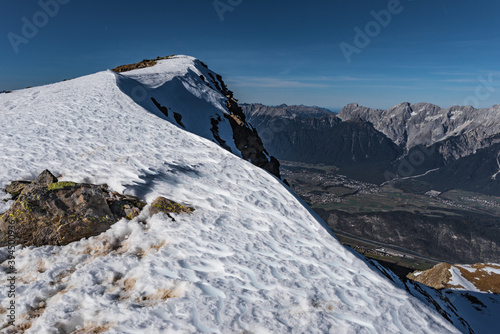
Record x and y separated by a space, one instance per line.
471 311
251 259
177 84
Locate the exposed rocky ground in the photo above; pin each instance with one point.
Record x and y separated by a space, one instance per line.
142 64
479 277
49 212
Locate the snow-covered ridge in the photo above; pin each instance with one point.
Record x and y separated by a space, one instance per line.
184 86
252 258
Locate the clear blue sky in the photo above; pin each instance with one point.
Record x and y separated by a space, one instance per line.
441 51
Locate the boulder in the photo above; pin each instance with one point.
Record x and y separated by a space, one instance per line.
48 212
125 206
162 204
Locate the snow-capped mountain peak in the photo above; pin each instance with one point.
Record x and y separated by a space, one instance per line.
252 257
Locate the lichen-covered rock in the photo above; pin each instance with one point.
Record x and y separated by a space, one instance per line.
16 187
51 212
48 212
161 204
44 179
125 206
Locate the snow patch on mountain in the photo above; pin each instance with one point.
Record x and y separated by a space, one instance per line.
457 280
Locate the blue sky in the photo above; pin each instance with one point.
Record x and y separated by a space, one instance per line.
440 51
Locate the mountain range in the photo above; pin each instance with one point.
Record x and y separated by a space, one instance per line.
449 148
251 257
416 149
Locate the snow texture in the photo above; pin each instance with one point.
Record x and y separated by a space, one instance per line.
251 259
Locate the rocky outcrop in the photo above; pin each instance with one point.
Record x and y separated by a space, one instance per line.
480 276
246 138
166 206
142 64
49 212
438 277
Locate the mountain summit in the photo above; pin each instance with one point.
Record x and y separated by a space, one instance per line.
251 258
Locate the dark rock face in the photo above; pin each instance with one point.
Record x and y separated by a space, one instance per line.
257 110
479 172
164 205
161 108
245 137
359 150
48 212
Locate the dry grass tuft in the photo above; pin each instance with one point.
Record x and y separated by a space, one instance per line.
102 248
93 328
161 295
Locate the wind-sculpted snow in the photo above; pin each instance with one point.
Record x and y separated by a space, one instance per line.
250 259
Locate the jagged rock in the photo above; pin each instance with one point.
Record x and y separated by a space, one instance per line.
247 140
46 178
162 204
125 206
16 187
48 212
161 108
410 125
437 277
